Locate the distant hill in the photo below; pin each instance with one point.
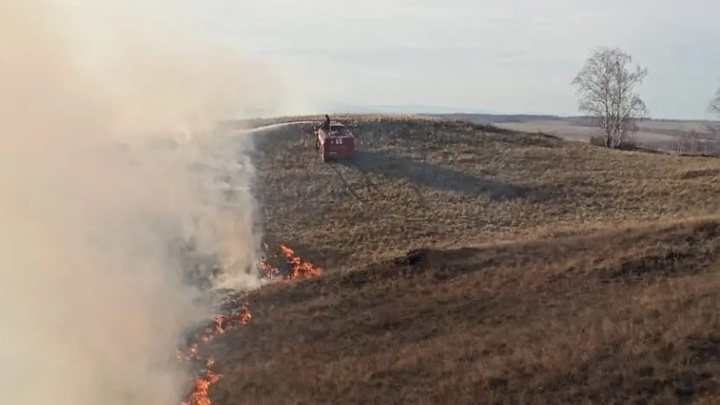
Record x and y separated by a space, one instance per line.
478 115
660 134
495 118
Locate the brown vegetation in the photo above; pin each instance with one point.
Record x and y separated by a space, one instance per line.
466 264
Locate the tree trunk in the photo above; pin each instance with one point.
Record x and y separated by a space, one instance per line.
619 142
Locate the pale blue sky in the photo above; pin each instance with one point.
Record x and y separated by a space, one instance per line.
514 56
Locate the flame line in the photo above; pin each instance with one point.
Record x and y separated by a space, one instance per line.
299 269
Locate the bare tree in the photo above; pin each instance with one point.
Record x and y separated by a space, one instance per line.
714 107
715 103
605 89
688 143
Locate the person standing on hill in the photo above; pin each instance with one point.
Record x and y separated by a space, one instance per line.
325 126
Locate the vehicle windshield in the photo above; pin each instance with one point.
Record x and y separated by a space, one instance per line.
337 127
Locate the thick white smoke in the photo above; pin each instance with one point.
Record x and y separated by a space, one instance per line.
106 164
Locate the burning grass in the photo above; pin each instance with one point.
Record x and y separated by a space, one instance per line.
239 314
287 265
207 377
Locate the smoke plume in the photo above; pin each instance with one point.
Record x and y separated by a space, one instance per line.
109 168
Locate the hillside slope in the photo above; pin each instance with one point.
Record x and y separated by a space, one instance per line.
469 265
419 183
628 316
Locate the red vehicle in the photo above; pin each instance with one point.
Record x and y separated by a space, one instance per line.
334 141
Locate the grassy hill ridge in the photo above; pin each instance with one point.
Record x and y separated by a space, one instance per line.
446 183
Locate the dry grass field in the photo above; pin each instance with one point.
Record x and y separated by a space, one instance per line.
467 264
662 135
657 134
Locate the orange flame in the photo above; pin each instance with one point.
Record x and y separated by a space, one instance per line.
223 323
191 353
268 270
300 268
200 395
